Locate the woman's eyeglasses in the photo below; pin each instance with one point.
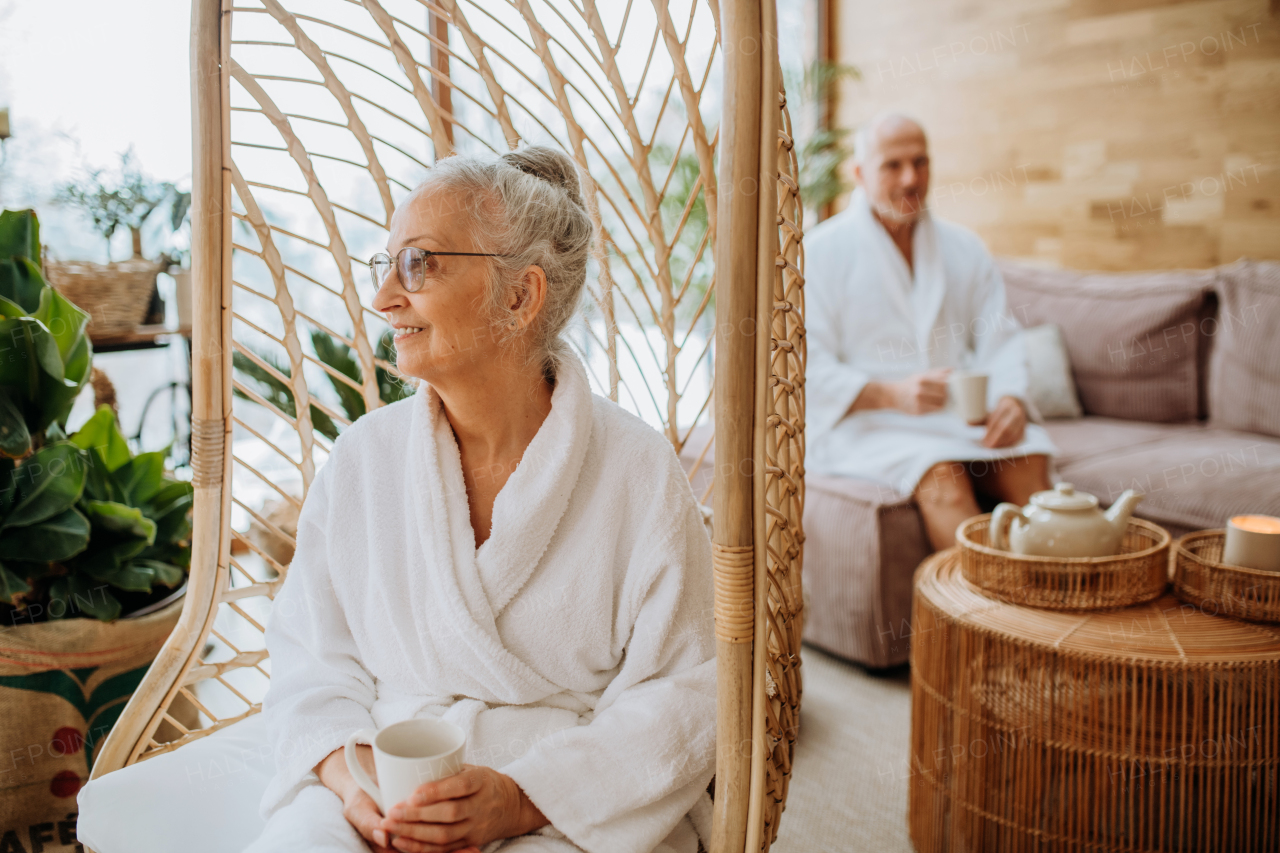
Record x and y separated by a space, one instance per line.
413 265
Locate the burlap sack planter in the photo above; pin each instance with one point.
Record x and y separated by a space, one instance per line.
63 684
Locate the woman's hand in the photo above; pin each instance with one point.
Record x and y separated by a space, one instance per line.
462 812
357 807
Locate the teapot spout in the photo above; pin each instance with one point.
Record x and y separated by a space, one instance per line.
1118 514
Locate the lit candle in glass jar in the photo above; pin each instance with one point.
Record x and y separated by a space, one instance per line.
1253 541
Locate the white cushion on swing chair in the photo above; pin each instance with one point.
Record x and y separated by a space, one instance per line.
202 798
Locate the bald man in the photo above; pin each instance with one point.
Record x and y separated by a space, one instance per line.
897 300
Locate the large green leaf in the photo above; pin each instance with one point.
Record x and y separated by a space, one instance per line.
166 574
9 308
79 362
27 349
15 438
135 576
21 282
56 397
11 585
99 485
141 478
102 432
176 552
20 234
64 320
49 482
103 561
57 538
174 492
80 596
170 510
120 519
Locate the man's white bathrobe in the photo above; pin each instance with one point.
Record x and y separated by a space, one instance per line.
868 318
575 646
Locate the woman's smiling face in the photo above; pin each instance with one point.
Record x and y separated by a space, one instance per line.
444 327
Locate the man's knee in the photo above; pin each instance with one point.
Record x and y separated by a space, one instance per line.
1018 478
945 484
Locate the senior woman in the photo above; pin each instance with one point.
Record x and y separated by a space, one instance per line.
504 550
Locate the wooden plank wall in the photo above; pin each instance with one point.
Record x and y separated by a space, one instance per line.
1103 134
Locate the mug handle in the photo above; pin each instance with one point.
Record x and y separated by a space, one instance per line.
357 772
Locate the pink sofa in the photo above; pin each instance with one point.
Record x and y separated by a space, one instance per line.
1178 374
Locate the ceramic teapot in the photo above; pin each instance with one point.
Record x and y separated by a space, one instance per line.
1062 522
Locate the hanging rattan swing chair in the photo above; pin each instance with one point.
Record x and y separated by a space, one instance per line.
311 121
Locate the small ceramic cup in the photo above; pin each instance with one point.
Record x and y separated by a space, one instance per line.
1253 541
969 390
406 755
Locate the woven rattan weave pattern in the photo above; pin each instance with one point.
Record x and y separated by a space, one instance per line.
1140 572
1202 579
115 295
1148 728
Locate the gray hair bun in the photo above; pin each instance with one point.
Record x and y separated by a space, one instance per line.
526 207
551 165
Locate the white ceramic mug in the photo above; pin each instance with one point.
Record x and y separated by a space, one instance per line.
969 391
1253 541
406 755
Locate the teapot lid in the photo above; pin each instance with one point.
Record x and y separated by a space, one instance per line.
1064 496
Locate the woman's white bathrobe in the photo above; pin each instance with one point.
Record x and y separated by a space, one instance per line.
575 646
869 318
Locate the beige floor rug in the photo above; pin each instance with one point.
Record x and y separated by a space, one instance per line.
849 785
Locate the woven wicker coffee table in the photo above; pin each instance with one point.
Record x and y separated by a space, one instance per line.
1154 727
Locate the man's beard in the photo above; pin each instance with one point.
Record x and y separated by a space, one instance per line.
915 209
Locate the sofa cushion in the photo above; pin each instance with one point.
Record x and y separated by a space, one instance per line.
1092 436
1195 476
1244 364
1135 339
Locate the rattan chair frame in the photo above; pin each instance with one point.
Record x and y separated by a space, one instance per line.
574 88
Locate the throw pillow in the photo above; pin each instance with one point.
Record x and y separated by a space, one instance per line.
1244 364
1049 382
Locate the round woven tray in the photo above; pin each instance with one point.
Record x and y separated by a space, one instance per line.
1149 728
115 296
1140 572
1200 578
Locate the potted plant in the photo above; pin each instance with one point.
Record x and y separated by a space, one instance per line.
119 296
92 539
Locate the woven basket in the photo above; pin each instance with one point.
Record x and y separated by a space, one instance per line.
1200 578
115 296
1140 572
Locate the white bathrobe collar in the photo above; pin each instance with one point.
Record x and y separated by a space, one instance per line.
918 296
526 514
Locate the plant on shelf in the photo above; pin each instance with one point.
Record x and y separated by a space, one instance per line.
83 521
124 200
